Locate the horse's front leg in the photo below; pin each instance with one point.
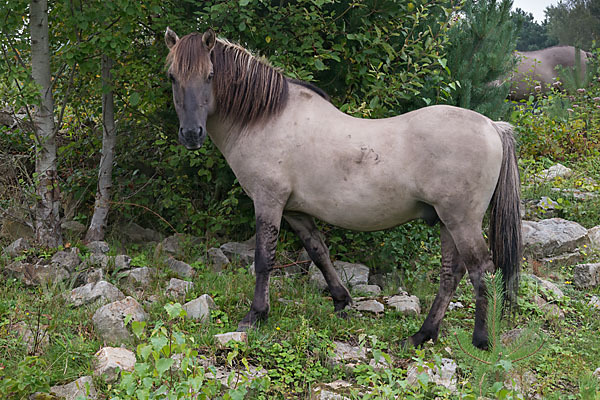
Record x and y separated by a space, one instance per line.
268 220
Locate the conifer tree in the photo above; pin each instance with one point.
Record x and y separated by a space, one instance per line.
480 55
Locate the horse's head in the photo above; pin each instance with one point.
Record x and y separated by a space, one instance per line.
191 72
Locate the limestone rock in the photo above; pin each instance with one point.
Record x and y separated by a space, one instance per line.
551 310
350 274
109 319
595 302
101 291
555 171
594 235
242 252
37 274
67 259
109 361
597 373
17 247
82 388
372 306
138 277
586 275
181 269
122 261
98 247
552 236
97 260
445 375
178 288
455 305
550 290
337 390
134 233
224 338
37 340
369 290
345 353
74 227
217 259
408 305
199 308
561 260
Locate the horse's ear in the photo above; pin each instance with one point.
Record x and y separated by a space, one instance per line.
170 38
208 38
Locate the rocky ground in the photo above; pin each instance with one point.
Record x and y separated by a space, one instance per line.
548 243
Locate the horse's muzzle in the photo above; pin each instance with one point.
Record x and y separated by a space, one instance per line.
192 139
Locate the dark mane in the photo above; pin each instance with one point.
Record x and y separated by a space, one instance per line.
247 89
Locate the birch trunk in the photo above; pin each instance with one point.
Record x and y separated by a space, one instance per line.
97 227
47 218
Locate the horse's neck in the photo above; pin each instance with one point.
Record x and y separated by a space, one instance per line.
221 133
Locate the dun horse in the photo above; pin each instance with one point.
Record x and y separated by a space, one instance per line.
299 157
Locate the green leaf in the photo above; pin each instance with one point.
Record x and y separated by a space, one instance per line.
138 328
134 99
163 364
244 3
319 64
175 310
158 343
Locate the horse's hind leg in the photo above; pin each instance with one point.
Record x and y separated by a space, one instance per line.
304 226
473 251
451 274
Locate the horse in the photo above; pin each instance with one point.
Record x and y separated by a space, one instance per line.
298 157
539 68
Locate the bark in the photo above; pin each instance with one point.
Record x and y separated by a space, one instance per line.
97 227
47 218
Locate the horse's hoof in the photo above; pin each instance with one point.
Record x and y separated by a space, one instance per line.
342 314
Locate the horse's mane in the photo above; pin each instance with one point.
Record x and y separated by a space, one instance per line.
247 88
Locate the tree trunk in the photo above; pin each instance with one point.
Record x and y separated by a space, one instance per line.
97 227
47 219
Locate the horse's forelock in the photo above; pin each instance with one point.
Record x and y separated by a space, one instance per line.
189 58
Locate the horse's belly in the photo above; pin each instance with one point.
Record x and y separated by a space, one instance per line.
357 212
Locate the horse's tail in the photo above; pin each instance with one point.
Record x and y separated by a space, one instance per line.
505 216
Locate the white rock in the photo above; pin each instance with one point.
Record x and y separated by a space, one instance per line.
224 338
595 302
95 291
139 276
594 235
350 274
181 269
455 305
344 352
555 171
98 247
110 360
444 376
369 290
82 388
217 259
408 305
122 261
586 275
331 391
178 288
199 308
552 236
549 287
372 306
109 321
16 247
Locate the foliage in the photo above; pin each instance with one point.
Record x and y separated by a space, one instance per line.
491 367
168 366
480 53
532 35
575 22
558 125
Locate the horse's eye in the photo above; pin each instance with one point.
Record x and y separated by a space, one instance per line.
210 76
171 78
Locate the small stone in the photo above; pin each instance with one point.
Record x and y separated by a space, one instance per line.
241 252
98 247
178 288
372 306
224 338
217 259
369 290
408 305
169 246
109 320
553 236
562 260
134 233
555 171
442 376
67 259
586 275
122 261
139 277
549 288
181 269
343 353
455 305
547 204
597 373
109 361
74 227
595 302
82 388
37 340
94 275
96 291
594 235
99 260
36 274
199 309
337 390
551 310
17 247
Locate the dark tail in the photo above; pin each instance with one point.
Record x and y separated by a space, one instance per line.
505 216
